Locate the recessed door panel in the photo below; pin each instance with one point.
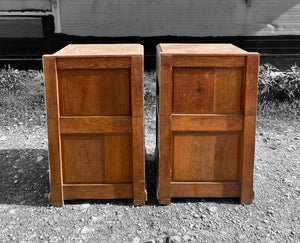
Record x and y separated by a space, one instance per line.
193 90
94 92
206 157
96 159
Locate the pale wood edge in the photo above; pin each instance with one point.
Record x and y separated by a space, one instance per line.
248 141
56 189
50 80
90 62
138 160
51 94
164 129
137 86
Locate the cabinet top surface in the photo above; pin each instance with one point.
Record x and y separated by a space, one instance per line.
100 50
202 49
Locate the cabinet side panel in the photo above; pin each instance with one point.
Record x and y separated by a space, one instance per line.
228 87
193 90
206 157
94 92
83 159
118 167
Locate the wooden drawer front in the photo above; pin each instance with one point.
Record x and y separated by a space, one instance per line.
96 159
206 157
94 92
207 90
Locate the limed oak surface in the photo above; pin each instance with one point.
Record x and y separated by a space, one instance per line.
206 121
94 99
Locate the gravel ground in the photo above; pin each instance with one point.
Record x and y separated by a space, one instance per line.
274 216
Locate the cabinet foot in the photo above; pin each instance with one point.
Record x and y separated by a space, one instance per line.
138 202
164 201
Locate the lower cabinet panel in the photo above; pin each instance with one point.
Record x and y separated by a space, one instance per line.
92 159
206 157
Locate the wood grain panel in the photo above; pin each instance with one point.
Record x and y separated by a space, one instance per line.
94 92
205 189
93 63
206 123
97 191
83 159
99 124
193 90
118 167
205 61
227 90
206 157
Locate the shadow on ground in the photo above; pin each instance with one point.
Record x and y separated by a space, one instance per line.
24 177
24 180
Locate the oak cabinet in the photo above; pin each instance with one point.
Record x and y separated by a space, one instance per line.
94 100
206 119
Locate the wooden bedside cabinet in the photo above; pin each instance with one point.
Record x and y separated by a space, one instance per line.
206 121
94 100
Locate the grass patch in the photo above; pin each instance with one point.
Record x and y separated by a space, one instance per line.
22 98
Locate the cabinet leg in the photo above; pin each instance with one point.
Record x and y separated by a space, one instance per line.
164 201
247 200
56 201
138 202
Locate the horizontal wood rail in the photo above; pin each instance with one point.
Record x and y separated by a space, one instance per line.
206 123
93 63
97 191
97 124
211 61
205 189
